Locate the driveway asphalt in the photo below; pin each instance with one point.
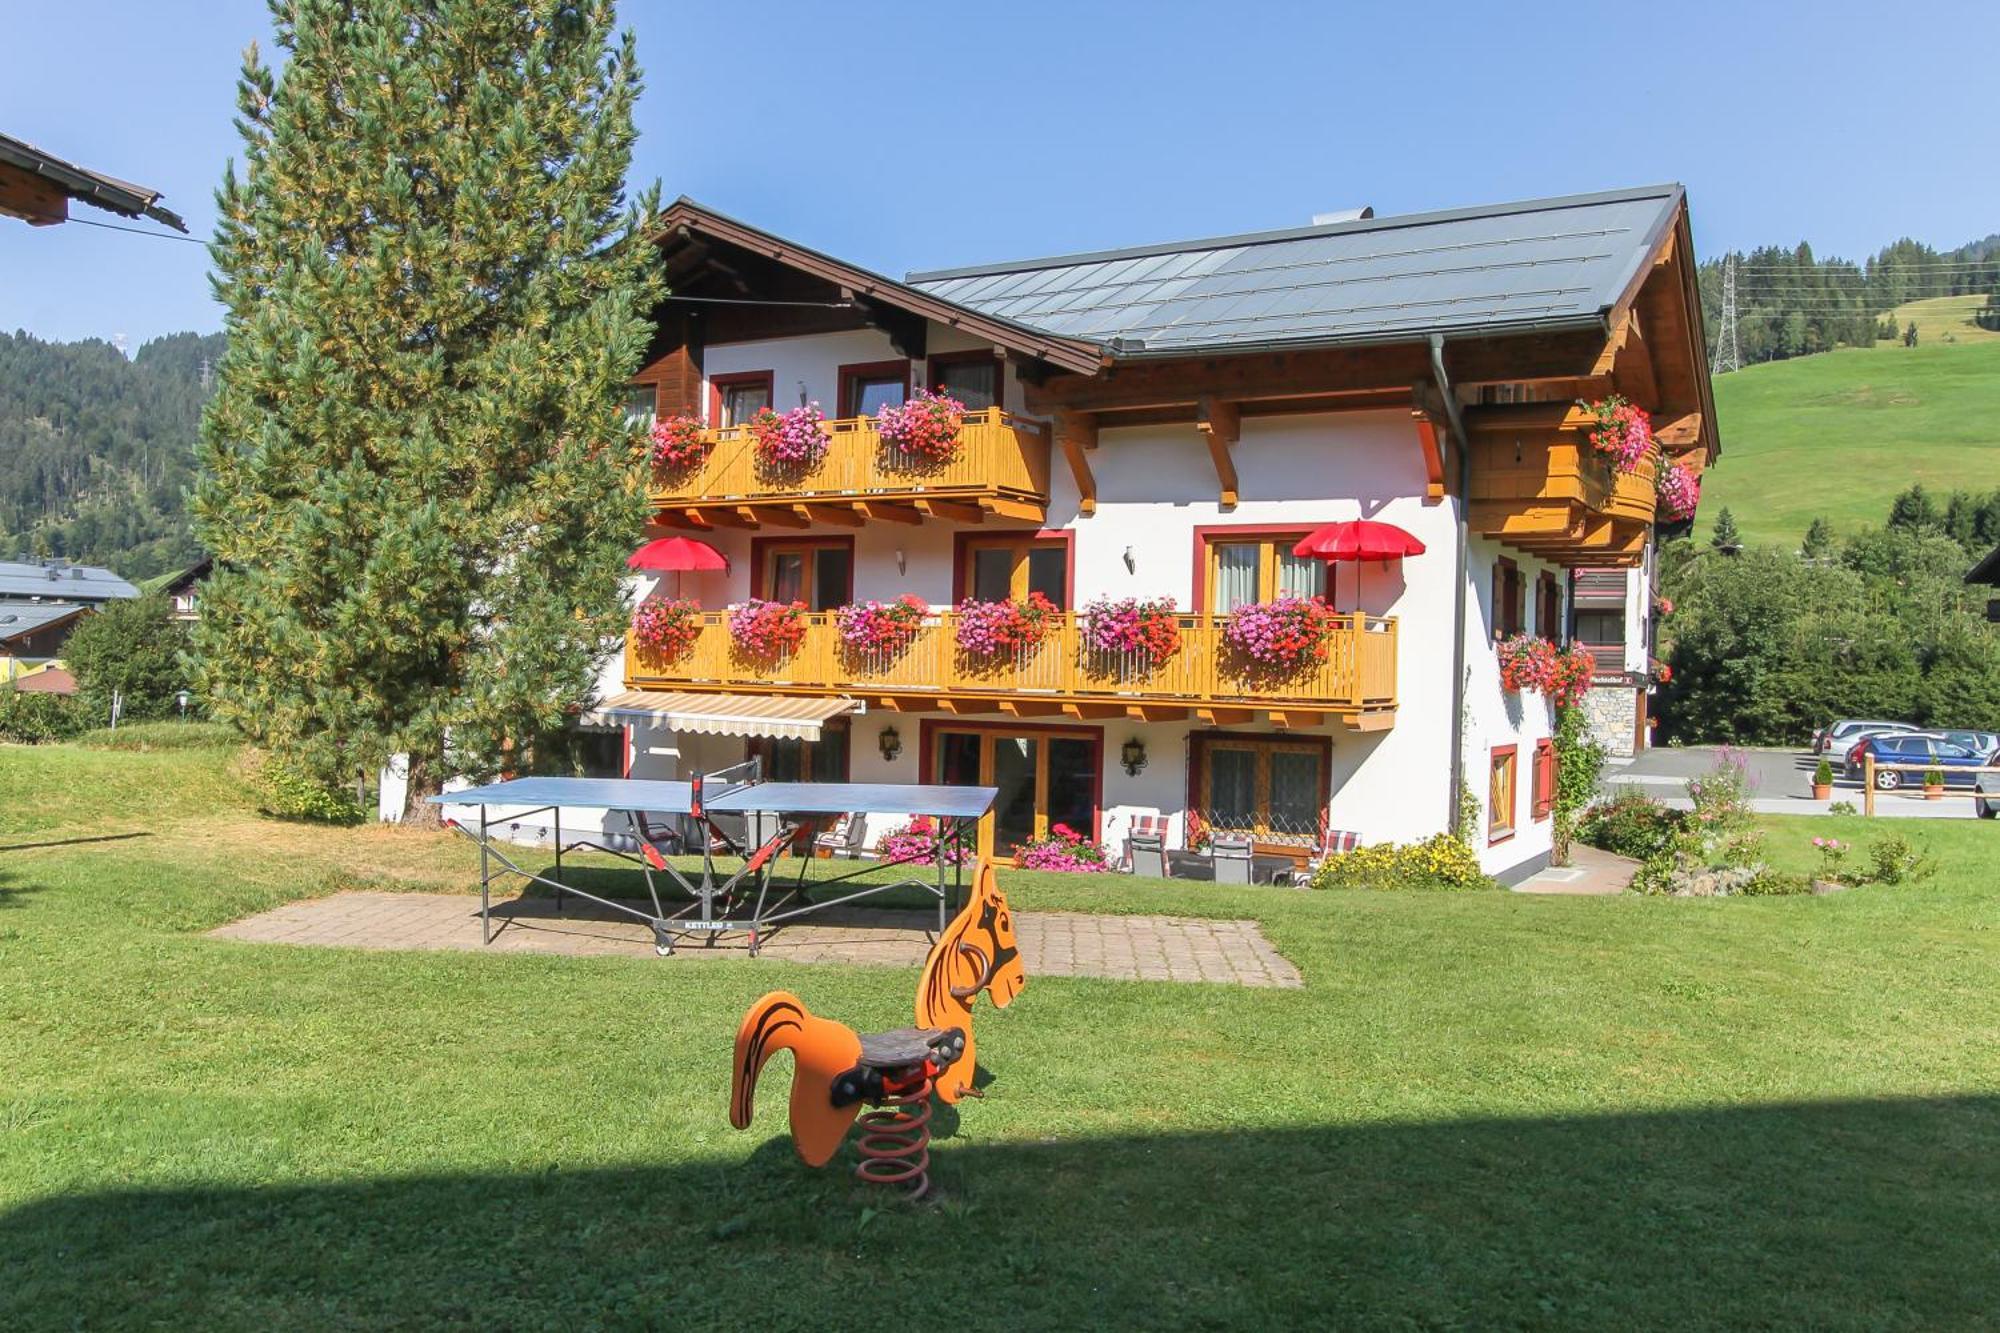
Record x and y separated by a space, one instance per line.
1780 782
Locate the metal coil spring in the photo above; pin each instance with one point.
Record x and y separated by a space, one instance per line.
895 1141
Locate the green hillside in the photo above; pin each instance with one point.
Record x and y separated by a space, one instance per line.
1841 433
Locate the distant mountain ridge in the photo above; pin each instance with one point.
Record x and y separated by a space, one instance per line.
97 451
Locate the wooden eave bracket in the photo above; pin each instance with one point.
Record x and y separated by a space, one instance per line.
1221 424
1076 432
1432 452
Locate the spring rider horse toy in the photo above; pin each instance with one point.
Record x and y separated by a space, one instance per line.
836 1070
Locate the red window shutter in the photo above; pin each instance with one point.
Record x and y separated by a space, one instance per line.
1545 779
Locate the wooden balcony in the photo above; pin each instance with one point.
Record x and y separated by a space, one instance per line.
1000 468
1061 676
1538 484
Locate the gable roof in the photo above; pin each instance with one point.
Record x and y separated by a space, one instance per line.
1987 570
20 619
54 581
1540 264
91 187
684 214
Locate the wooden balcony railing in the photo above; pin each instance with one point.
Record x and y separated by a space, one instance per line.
1000 466
1538 484
1062 674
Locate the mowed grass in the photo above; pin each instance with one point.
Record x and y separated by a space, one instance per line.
1942 317
1840 434
1482 1110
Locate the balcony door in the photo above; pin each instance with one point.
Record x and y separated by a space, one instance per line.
1044 777
1258 568
1010 566
819 573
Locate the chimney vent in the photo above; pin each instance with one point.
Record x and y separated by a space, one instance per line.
1343 215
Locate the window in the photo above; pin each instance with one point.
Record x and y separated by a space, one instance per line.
1509 611
1600 628
971 377
867 389
819 573
1274 790
642 404
1500 796
1545 778
734 399
1548 607
579 752
823 760
996 569
1261 568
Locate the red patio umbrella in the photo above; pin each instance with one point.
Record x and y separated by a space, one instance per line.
1358 540
677 555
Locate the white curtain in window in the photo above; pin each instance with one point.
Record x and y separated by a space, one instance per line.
1300 575
1235 575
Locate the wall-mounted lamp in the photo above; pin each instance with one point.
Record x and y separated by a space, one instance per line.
1517 448
1131 563
890 743
1133 756
902 561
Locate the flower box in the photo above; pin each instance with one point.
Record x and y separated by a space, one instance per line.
1280 635
924 428
790 440
1679 493
1623 433
1128 627
678 442
667 626
767 630
996 629
880 627
1529 662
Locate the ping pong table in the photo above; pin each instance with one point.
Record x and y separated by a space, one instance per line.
738 790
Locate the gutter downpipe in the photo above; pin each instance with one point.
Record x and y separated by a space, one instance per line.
1457 423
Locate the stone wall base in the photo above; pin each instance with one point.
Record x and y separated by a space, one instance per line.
1612 714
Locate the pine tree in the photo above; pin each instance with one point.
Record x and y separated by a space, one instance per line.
1818 544
417 481
1725 537
1915 510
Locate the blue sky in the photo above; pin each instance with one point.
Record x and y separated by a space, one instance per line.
918 136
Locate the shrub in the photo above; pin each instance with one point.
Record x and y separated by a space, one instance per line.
129 648
1438 862
1632 824
1775 884
1823 774
1895 860
34 718
289 794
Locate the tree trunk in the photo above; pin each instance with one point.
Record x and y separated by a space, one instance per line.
425 781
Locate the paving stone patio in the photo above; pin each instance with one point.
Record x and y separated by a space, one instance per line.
1062 944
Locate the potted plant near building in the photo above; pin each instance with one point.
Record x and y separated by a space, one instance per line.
1822 785
1933 784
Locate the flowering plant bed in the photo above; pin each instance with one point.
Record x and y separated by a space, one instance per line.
1286 633
926 426
1623 432
1064 849
1149 629
767 629
1679 492
881 627
991 629
917 841
667 626
789 439
678 443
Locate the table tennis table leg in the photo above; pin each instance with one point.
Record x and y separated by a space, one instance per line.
557 812
485 882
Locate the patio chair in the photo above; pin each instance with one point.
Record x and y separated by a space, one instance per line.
1150 825
1232 857
1146 854
1332 842
845 838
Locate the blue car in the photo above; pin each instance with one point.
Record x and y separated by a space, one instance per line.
1956 762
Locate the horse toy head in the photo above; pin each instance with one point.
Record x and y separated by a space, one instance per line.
976 953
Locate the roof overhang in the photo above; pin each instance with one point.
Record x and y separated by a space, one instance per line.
46 180
767 715
685 218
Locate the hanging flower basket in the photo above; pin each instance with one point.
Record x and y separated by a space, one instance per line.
678 443
1623 432
767 630
1281 635
995 629
1127 626
791 439
667 626
1679 492
1527 662
880 627
1064 849
926 427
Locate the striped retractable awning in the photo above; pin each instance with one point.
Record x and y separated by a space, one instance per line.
726 714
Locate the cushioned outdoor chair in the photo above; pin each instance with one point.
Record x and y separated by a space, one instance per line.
1150 825
1332 842
1232 858
1146 853
845 838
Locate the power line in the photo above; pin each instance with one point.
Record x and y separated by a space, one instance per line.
139 231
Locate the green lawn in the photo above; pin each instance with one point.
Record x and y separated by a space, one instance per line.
1841 433
1483 1110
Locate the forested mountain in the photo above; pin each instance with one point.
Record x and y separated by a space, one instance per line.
1792 303
96 450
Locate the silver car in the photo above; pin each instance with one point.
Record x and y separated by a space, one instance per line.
1845 734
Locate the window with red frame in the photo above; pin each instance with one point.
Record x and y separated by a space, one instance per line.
1500 793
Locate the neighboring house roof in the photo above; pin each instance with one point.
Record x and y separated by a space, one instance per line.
176 584
20 619
55 581
1987 570
49 680
1541 264
81 183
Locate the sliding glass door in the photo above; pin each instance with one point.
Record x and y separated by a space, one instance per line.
1044 778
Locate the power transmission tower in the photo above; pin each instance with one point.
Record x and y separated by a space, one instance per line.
1727 357
204 375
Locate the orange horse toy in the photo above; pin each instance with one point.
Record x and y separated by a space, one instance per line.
835 1070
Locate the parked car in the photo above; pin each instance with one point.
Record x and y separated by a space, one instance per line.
1985 744
1954 761
1854 740
1843 734
1988 784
